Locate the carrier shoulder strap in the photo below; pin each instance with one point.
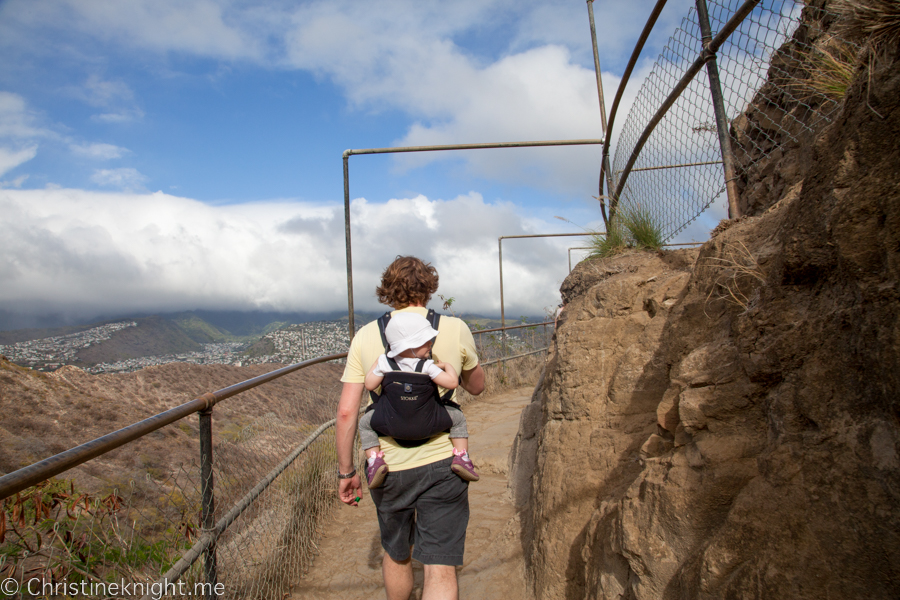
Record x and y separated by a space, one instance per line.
433 318
382 323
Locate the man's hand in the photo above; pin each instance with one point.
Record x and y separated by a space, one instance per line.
345 435
350 490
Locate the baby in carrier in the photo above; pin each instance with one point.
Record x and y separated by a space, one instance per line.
409 408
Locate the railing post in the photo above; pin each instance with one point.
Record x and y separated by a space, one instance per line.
604 157
350 310
502 313
207 516
715 88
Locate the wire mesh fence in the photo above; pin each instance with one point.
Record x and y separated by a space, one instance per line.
57 540
517 339
767 71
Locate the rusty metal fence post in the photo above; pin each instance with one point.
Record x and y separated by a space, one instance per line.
715 89
208 501
605 157
350 310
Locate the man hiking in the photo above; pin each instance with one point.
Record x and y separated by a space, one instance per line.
422 505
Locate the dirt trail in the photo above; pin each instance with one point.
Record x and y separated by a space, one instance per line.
349 564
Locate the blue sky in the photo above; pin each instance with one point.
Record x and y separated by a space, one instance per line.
182 154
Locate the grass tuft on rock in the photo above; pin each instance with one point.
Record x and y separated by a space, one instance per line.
877 22
632 227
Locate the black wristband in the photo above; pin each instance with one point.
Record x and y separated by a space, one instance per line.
346 475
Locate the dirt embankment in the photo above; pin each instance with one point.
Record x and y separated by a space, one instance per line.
730 427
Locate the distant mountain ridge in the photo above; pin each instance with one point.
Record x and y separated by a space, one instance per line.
224 337
146 336
202 326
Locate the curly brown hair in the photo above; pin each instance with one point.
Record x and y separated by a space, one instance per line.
407 281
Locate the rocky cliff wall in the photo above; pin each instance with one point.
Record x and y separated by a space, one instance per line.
729 427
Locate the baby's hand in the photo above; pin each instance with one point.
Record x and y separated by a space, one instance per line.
440 365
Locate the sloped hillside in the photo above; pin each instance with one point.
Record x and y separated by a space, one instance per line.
44 414
732 429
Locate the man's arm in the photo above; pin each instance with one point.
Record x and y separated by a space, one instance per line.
345 435
473 380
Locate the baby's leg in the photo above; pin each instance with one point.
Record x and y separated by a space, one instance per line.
376 469
459 437
459 432
368 439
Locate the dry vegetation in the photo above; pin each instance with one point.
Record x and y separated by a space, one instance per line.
877 22
863 30
738 275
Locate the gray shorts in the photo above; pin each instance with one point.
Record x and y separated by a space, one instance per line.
427 508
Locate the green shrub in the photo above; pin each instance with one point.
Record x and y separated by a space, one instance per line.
643 231
631 227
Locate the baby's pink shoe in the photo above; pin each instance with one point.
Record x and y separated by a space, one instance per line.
376 471
463 466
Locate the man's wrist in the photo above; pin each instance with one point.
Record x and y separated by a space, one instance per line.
346 475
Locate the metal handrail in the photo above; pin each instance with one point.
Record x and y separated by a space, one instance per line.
497 360
511 327
436 148
44 469
25 477
211 528
212 534
532 235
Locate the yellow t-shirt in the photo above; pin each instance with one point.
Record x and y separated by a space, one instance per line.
455 345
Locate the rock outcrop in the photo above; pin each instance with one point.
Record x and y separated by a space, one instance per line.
729 427
595 407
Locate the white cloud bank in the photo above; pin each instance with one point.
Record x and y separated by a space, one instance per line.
80 253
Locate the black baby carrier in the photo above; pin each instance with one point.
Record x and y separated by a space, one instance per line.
409 409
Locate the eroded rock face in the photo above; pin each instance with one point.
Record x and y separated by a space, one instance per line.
733 430
595 406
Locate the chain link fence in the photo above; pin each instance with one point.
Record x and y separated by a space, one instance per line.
767 69
493 344
59 540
